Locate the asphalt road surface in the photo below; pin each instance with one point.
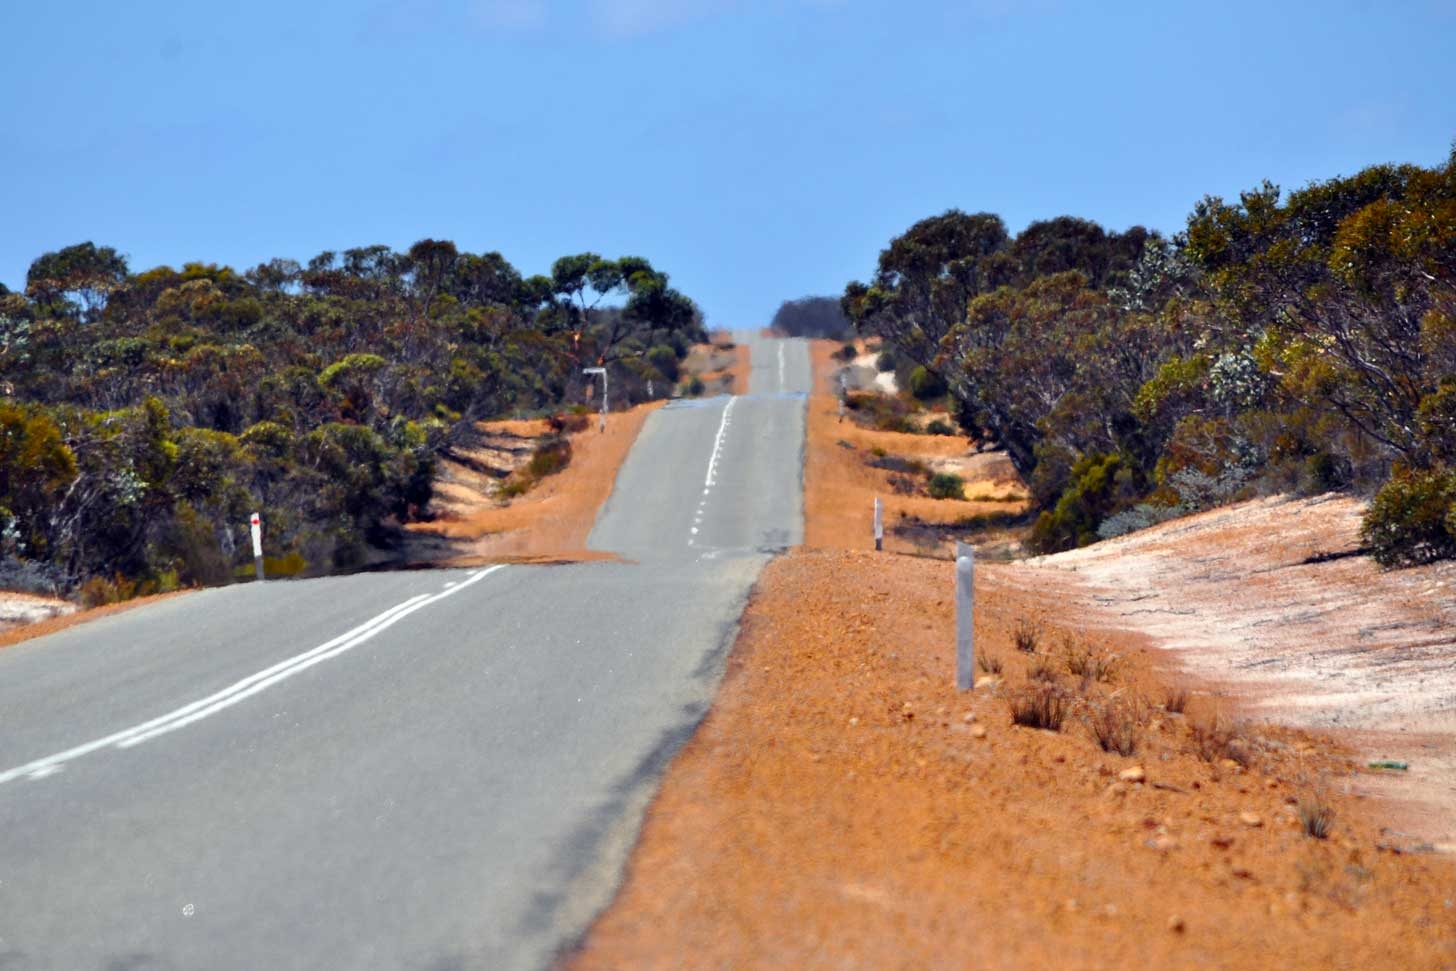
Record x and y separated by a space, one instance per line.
433 770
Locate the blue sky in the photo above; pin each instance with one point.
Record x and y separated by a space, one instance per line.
756 150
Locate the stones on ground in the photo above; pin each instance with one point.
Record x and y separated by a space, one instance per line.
1253 820
978 731
1176 925
1133 774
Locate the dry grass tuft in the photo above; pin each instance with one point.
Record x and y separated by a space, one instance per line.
1316 815
1114 723
1087 664
989 663
1027 636
1042 669
1040 705
1175 700
1220 739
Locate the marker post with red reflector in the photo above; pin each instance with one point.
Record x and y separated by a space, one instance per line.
255 526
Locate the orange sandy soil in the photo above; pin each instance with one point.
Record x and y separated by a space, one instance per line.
722 365
548 524
842 806
840 487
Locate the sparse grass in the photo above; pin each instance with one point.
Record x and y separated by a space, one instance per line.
1087 664
1027 636
1316 815
989 663
1042 669
1040 705
1114 723
1220 739
1175 700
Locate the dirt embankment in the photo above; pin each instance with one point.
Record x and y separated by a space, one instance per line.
843 806
548 523
846 469
1269 604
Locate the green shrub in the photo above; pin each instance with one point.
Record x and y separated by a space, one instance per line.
1412 518
1101 485
946 485
550 457
664 359
925 384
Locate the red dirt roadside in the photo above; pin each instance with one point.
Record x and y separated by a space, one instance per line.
842 806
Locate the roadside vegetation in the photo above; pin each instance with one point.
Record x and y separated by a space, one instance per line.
144 415
1284 342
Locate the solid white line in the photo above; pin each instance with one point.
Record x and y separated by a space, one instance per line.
245 688
781 365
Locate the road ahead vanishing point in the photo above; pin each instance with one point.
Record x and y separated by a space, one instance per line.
433 770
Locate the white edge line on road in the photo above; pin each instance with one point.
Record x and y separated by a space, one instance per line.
236 692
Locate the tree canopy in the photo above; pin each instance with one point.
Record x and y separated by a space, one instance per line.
145 414
1300 341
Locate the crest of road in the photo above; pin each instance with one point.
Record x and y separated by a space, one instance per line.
431 769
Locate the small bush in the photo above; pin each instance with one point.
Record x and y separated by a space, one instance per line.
1412 519
939 426
569 422
894 463
550 457
1042 670
1175 700
1101 486
989 663
847 353
693 388
946 485
1222 740
926 385
1089 665
1026 636
1040 705
886 361
1316 816
1114 724
903 485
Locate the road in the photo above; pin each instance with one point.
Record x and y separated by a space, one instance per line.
434 770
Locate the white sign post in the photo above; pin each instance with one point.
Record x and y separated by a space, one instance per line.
603 372
965 616
879 525
255 526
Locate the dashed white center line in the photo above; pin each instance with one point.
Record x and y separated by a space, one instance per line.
712 476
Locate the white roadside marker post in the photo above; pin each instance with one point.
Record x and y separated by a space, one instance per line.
255 526
965 616
879 525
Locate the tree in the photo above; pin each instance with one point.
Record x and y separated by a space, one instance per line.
924 281
812 317
84 274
